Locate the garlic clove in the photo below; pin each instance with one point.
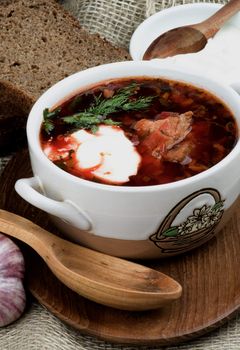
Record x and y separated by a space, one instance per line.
12 293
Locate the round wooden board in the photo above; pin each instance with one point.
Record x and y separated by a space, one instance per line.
209 276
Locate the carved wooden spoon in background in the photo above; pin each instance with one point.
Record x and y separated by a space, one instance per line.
99 277
191 38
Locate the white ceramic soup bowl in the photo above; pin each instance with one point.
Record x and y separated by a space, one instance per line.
134 222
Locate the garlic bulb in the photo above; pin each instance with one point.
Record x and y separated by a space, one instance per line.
12 294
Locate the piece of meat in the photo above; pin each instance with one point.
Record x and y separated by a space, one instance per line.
166 114
155 144
177 128
179 153
143 127
161 135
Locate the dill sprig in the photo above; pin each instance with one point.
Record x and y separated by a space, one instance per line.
98 112
48 117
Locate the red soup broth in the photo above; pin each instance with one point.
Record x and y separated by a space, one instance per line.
182 131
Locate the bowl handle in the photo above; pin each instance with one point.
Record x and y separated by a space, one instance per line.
29 189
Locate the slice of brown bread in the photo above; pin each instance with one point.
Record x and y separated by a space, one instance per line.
41 43
14 107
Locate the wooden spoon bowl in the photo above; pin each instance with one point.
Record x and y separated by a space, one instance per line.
191 38
99 277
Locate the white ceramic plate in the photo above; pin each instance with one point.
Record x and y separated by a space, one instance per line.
220 66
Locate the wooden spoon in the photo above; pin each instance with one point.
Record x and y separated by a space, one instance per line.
99 277
191 38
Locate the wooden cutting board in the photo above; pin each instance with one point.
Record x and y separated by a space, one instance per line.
209 276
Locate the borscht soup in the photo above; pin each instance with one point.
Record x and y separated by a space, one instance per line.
138 131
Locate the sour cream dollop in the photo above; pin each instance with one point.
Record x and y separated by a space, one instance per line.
111 155
107 154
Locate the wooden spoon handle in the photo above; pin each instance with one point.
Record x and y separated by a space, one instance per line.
26 231
210 26
104 279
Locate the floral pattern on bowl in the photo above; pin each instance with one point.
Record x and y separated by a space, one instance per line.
195 229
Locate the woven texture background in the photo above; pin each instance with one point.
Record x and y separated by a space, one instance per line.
117 19
38 329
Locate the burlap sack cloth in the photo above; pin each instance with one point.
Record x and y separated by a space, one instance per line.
40 330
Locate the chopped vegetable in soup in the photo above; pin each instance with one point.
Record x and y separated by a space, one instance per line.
138 132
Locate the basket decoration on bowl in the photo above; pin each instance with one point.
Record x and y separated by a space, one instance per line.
195 230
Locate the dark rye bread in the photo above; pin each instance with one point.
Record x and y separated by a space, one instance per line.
41 43
14 107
